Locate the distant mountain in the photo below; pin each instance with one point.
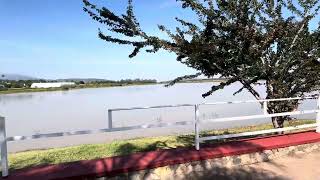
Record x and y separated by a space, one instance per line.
15 77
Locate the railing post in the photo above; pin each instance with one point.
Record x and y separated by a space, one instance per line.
265 107
109 118
4 153
318 115
196 126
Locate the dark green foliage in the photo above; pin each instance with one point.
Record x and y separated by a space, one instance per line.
18 84
23 84
265 42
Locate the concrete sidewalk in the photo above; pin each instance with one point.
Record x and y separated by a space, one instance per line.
295 167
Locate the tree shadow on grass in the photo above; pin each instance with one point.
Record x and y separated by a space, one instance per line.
129 148
188 140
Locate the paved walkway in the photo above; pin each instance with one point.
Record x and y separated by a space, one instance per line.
296 167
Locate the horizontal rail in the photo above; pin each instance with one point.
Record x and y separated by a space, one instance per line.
84 132
258 101
258 132
151 107
259 116
216 103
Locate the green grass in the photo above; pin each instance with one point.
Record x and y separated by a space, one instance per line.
123 147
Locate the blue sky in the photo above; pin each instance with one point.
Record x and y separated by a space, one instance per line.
56 39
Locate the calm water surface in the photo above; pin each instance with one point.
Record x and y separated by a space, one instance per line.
45 112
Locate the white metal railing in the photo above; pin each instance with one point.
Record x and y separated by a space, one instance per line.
110 124
4 153
197 122
265 114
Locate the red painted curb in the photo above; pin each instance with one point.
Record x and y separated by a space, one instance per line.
145 160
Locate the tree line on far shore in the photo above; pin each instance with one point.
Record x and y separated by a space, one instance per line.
8 84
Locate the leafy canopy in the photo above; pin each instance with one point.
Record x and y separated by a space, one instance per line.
246 41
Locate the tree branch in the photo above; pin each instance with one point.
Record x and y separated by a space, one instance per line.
181 78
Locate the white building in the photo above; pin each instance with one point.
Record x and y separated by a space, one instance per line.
52 85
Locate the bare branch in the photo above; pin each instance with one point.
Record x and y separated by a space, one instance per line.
178 79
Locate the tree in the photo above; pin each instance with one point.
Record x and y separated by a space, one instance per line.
266 42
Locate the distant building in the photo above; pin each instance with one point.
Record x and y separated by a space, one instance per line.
52 85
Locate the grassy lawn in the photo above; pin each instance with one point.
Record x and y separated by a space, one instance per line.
123 147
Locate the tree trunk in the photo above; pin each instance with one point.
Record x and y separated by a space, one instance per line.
279 106
278 122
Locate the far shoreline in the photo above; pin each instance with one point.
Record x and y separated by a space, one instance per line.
35 90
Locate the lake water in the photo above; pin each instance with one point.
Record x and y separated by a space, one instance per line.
82 109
